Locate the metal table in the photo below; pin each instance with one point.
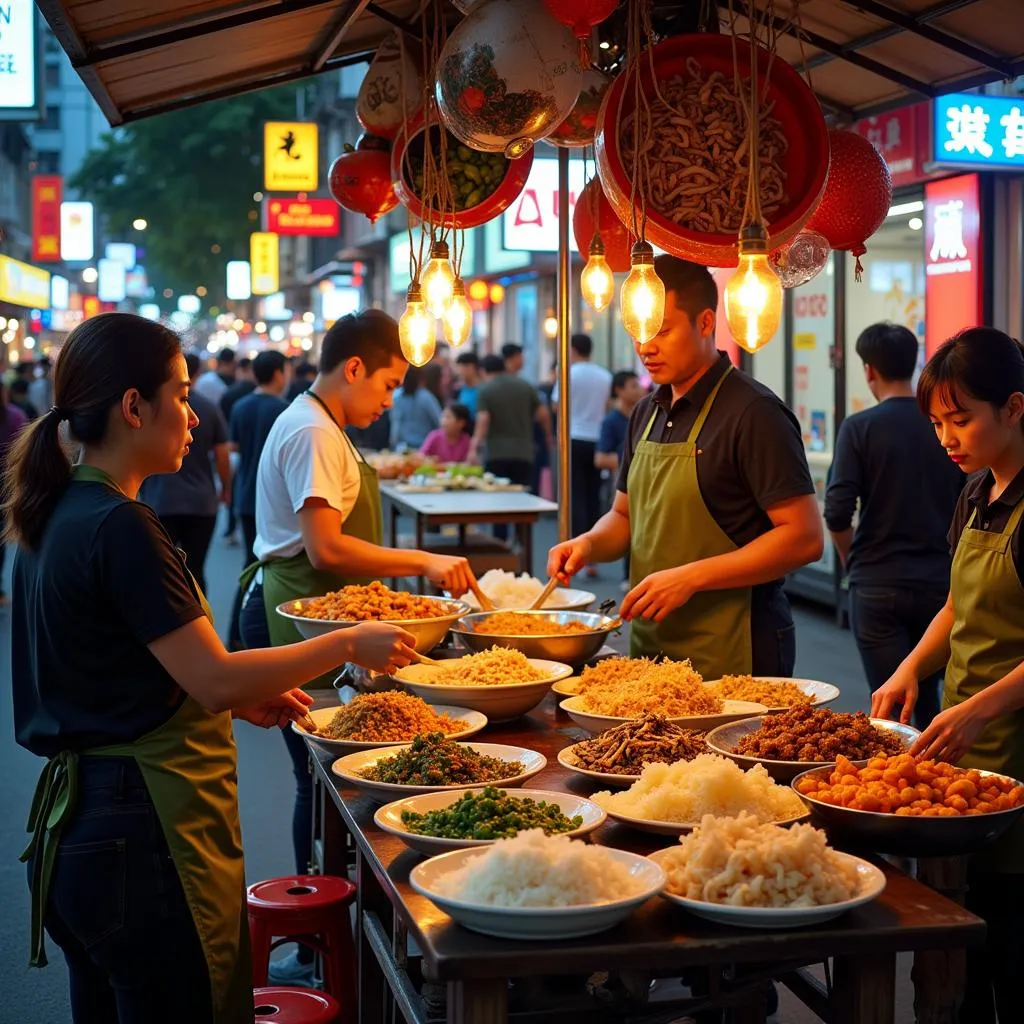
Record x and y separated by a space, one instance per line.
659 939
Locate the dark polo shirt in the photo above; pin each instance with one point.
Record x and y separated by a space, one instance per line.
992 517
751 459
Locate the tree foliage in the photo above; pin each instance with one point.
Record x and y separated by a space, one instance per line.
191 174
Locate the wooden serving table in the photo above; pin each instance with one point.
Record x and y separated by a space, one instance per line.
468 508
659 939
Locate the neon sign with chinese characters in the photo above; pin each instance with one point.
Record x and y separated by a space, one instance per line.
980 131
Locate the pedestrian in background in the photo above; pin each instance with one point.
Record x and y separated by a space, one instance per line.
889 470
303 375
186 501
245 384
450 442
214 383
467 370
18 397
12 421
40 388
415 413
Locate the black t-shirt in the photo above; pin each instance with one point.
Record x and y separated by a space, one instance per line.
234 394
888 459
251 420
105 582
991 517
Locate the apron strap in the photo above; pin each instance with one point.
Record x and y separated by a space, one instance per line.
698 425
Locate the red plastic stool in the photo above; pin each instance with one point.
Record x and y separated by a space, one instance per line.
312 909
294 1006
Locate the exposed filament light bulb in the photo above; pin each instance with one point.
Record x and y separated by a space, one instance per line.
642 299
458 317
416 328
596 281
753 296
438 280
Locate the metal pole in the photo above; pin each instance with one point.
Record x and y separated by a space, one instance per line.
564 441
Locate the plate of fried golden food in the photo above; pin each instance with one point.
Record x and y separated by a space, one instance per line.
776 693
427 618
569 637
804 737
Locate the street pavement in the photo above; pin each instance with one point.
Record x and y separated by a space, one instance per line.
32 996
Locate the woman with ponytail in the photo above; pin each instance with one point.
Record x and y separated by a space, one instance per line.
121 683
973 391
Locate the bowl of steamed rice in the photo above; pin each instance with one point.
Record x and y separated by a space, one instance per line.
669 799
509 591
500 683
540 887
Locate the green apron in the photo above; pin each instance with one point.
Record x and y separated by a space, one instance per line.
987 642
287 579
189 767
670 525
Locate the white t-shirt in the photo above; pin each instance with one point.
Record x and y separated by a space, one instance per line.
305 457
590 391
211 387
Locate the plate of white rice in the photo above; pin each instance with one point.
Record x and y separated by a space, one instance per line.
671 799
538 887
509 591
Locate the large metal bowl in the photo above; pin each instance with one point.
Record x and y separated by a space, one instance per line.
428 632
724 740
570 648
905 835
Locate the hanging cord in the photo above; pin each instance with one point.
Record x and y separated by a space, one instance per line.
641 116
445 199
414 265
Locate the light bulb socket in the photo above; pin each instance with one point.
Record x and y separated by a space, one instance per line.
596 245
415 293
439 251
458 287
753 240
642 255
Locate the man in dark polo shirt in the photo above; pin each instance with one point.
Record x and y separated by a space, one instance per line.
715 502
907 488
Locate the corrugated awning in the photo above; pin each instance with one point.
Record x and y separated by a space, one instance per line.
864 56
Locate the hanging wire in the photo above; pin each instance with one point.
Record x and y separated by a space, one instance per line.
414 266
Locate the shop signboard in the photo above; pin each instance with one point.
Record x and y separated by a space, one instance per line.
76 232
60 292
290 156
24 285
264 259
239 280
307 217
971 130
20 91
531 223
111 285
46 197
953 260
903 138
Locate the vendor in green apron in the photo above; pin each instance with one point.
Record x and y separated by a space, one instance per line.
714 503
973 391
121 683
318 521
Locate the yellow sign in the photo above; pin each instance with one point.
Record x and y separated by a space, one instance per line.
24 285
290 157
263 256
806 340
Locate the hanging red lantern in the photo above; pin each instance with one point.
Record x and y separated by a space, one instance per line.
581 16
360 181
857 195
618 242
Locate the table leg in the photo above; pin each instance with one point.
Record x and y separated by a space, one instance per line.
479 1001
864 989
526 547
373 988
939 975
394 539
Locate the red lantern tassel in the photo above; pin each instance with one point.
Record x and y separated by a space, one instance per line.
858 267
583 52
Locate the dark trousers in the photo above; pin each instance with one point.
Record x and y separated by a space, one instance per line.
248 524
117 909
586 487
887 623
193 535
519 471
3 552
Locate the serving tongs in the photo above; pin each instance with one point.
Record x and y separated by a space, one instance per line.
544 595
486 604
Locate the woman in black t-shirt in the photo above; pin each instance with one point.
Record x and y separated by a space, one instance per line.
122 684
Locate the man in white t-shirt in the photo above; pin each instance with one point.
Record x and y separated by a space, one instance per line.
590 390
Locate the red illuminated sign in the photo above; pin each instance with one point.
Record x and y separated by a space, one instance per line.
903 138
953 261
46 197
301 217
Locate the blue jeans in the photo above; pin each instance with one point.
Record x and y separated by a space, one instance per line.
117 909
887 623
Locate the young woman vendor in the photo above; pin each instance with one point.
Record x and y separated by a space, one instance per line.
120 681
973 391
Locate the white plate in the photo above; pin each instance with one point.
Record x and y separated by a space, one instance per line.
820 693
500 703
733 711
474 722
562 599
872 882
678 828
539 923
567 759
389 817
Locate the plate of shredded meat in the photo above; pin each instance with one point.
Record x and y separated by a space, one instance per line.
617 757
805 737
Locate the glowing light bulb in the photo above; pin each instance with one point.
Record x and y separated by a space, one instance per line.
458 317
596 281
550 324
642 299
438 281
416 328
753 296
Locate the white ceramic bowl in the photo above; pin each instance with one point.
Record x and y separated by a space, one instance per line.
872 883
500 703
567 759
562 599
474 722
389 817
535 923
350 767
733 711
820 693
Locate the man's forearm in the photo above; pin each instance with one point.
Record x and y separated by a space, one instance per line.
766 558
843 540
932 650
